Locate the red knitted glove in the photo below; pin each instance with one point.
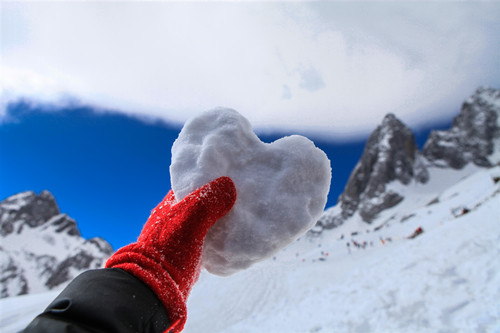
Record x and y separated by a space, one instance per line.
167 254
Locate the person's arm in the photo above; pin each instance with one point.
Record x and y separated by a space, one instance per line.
103 300
160 268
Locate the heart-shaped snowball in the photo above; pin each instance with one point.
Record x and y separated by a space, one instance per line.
282 187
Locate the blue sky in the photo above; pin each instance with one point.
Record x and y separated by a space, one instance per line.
106 84
108 170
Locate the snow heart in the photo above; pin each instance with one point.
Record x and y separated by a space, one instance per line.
282 186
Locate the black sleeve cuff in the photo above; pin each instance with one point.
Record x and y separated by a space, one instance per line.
103 300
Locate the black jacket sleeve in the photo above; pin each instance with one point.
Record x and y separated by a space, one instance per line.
103 300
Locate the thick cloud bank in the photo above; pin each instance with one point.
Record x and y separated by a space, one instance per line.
330 68
282 186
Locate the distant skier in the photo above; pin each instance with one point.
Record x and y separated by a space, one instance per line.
417 232
460 211
145 285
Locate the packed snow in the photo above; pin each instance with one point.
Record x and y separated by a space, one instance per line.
282 186
17 312
50 249
446 279
372 277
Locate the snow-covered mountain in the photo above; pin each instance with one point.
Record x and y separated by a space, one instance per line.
447 279
474 136
416 249
40 248
390 154
391 157
424 258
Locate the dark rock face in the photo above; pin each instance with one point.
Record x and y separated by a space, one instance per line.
63 223
26 210
471 137
11 276
329 220
62 272
390 154
40 247
87 257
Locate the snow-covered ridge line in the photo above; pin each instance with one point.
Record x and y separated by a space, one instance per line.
391 158
446 279
380 276
41 248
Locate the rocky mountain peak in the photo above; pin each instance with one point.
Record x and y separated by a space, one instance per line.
390 154
26 209
40 247
473 135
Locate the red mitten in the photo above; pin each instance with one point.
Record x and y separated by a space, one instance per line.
167 254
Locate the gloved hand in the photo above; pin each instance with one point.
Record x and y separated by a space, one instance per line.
167 254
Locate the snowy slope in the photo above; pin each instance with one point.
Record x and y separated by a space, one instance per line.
17 312
41 248
370 277
447 279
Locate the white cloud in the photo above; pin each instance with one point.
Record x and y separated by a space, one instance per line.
331 67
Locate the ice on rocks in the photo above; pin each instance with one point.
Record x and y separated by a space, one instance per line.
282 186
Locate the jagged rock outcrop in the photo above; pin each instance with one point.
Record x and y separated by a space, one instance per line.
12 279
472 136
26 210
390 154
41 248
91 254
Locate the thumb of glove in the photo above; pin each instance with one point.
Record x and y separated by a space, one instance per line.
196 213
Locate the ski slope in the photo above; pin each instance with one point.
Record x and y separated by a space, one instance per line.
445 280
17 312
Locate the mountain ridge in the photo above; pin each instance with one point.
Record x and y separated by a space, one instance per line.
41 247
391 162
391 155
443 279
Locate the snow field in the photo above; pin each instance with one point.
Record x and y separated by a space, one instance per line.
38 240
445 280
17 312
